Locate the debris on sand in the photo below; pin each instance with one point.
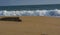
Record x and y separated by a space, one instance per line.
10 19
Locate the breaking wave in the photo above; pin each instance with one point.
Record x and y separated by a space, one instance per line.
54 12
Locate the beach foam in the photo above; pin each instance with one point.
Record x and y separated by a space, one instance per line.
54 12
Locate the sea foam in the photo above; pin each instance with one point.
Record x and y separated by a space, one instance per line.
55 12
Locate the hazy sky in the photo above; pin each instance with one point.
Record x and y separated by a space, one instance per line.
27 2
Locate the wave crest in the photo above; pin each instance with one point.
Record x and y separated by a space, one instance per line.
54 12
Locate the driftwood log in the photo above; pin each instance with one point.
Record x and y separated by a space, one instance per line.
10 19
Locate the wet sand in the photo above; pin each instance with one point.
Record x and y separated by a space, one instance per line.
31 25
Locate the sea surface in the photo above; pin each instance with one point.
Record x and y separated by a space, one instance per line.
31 10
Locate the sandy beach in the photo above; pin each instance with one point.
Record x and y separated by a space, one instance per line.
31 25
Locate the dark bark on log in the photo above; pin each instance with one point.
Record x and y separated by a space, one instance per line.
10 19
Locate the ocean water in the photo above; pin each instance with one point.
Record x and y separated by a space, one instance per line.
30 10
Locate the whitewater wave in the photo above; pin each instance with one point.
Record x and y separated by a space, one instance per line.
54 12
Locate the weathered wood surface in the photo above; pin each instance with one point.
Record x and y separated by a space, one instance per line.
10 19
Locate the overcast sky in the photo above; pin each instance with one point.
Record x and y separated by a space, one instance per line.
27 2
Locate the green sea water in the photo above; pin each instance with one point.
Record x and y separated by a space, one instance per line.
31 7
